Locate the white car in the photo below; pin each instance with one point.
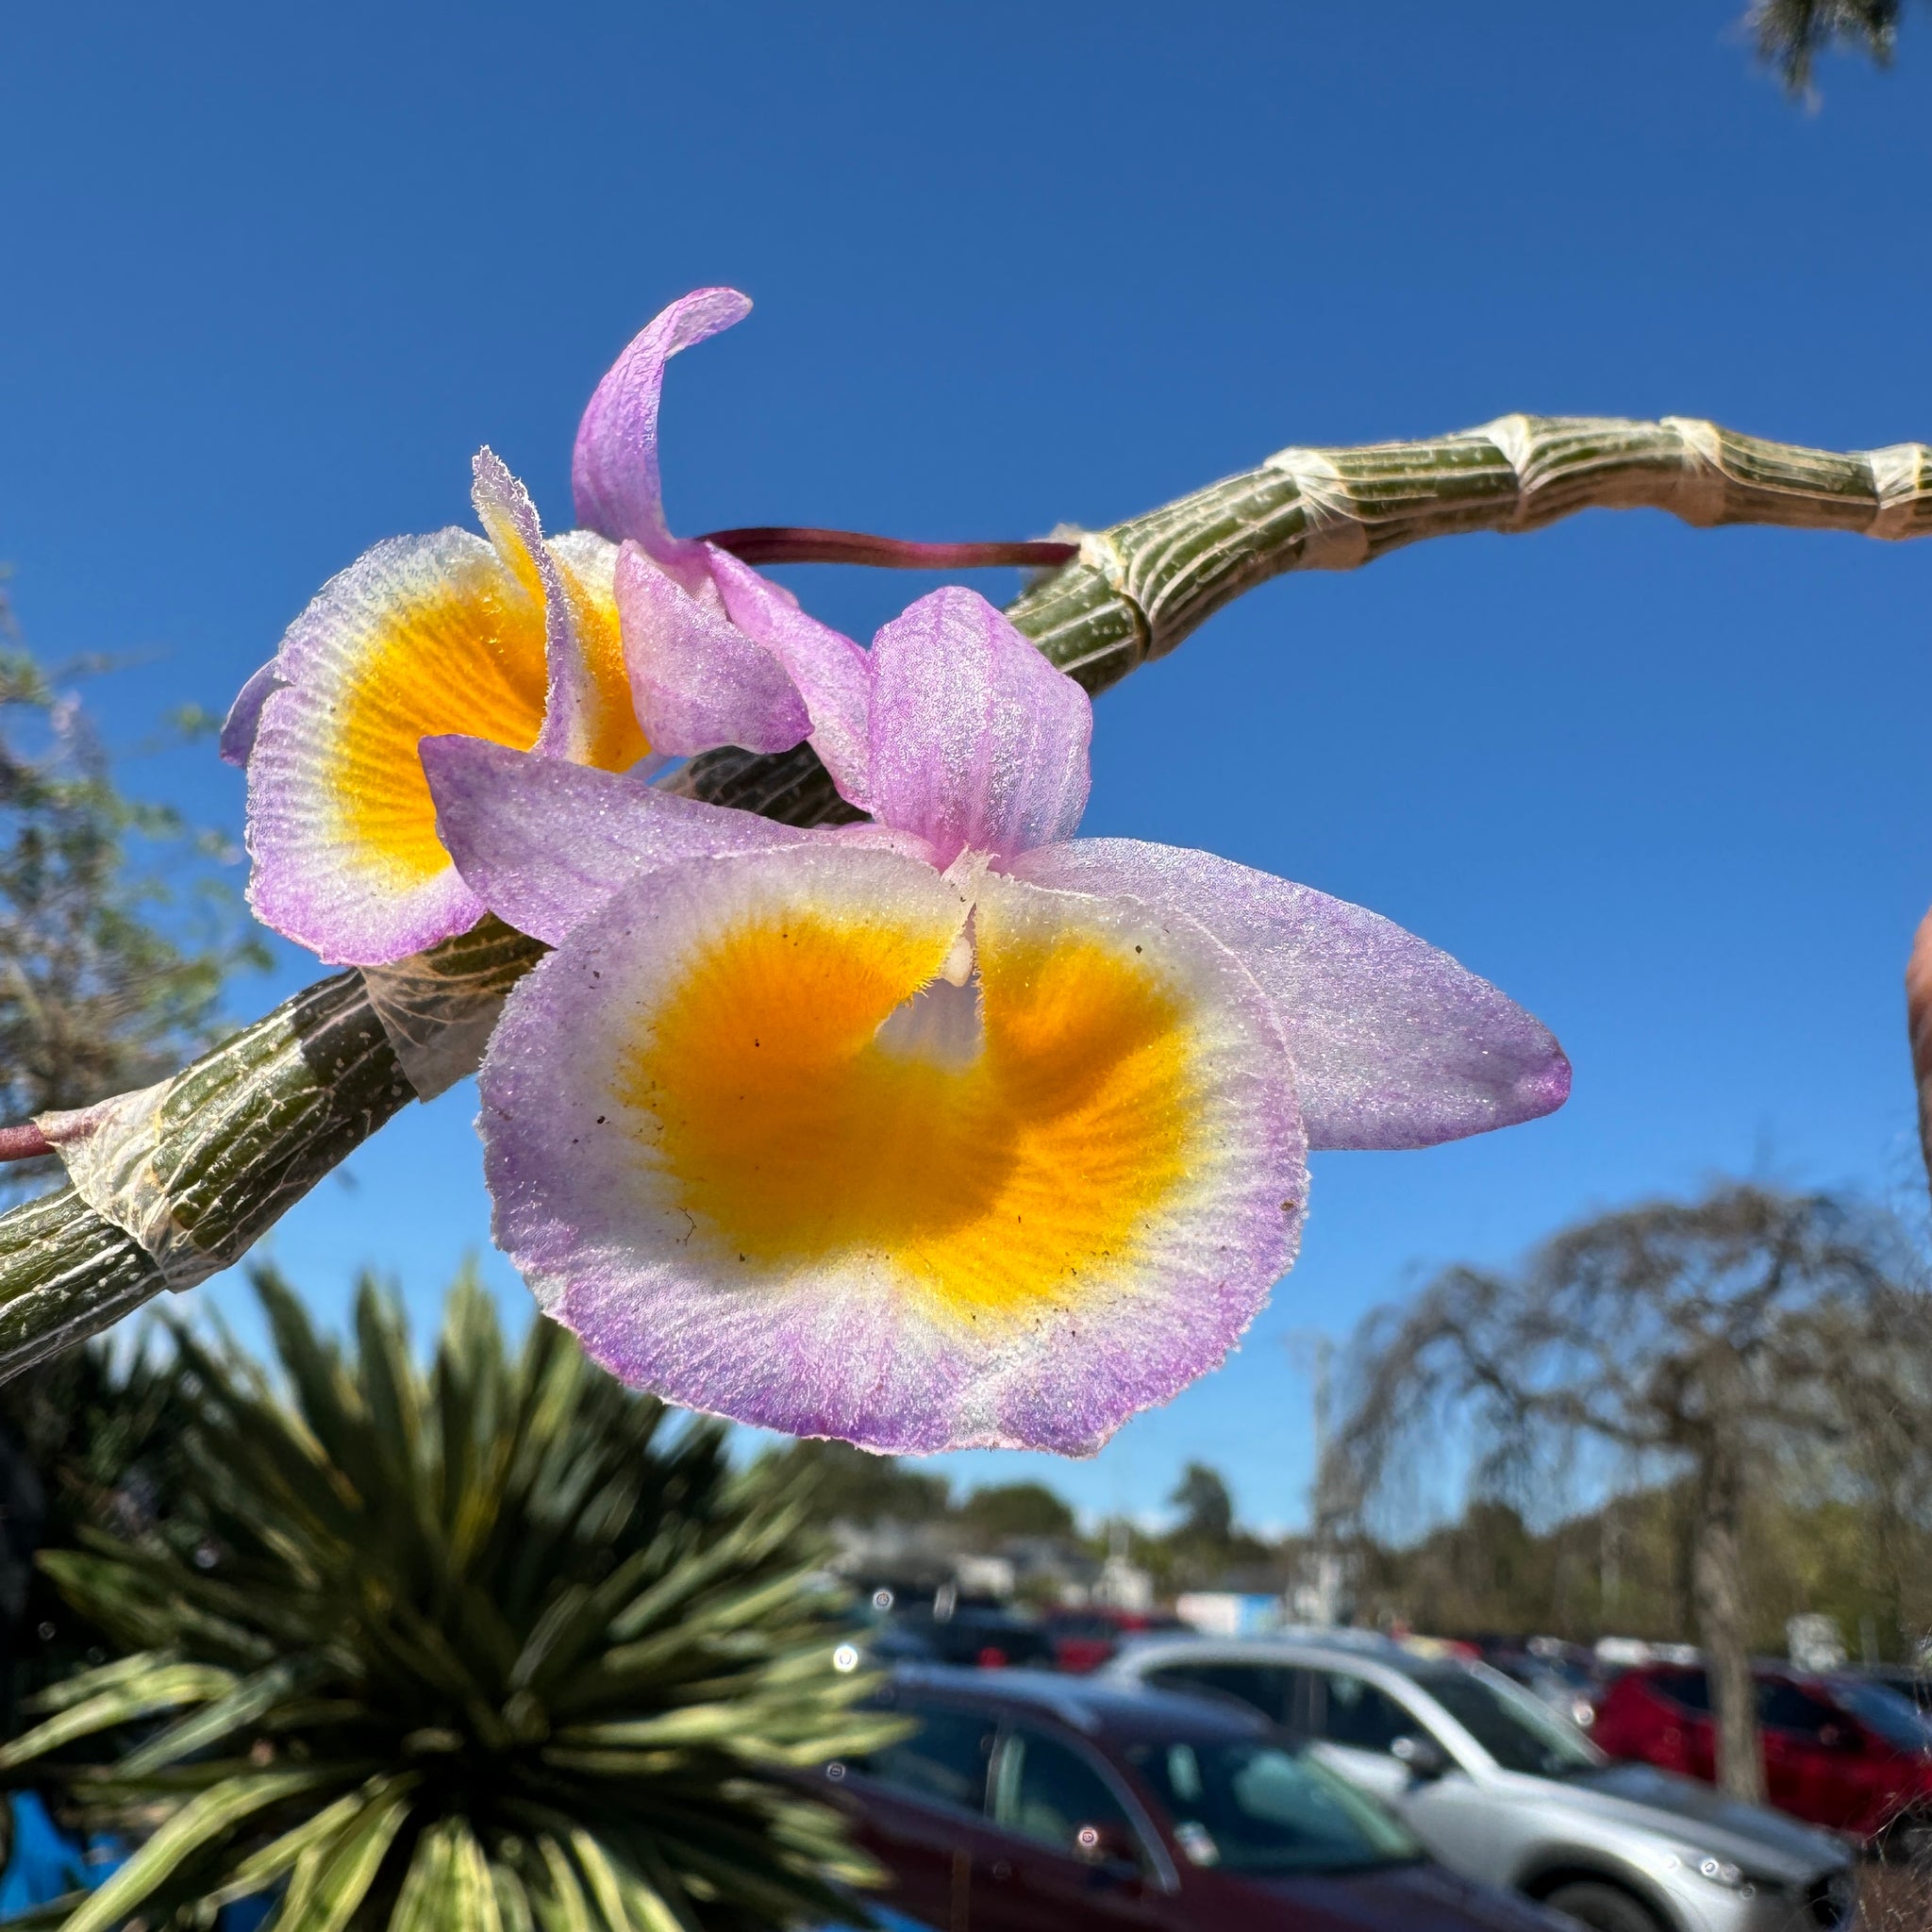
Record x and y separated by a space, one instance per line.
1502 1789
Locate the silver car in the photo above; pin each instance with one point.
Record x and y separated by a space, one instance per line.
1501 1788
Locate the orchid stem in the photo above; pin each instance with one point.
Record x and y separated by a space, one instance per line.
247 1129
24 1142
796 544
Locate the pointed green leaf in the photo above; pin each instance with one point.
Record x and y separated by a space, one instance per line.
279 1856
246 1702
349 1867
573 1908
163 1687
195 1824
424 1902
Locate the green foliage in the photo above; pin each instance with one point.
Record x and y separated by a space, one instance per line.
1206 1505
848 1485
1622 1569
1792 33
1015 1509
87 1441
493 1645
117 929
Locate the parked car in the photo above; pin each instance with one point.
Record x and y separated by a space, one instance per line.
1501 1788
1566 1676
987 1640
1028 1802
1840 1750
1084 1639
1910 1681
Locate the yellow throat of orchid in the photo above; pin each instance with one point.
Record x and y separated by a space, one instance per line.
992 1152
466 651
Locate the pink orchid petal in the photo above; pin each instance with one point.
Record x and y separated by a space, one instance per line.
332 779
696 679
509 521
832 675
239 727
543 842
976 740
940 1336
1394 1043
613 473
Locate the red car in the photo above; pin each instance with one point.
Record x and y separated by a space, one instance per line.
1084 1639
1840 1750
1024 1802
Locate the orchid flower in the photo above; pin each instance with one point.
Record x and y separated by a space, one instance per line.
950 1129
718 653
514 639
517 640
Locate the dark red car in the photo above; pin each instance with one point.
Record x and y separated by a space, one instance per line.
1084 1639
1030 1803
1840 1750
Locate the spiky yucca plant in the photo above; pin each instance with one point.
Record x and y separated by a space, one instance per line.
492 1646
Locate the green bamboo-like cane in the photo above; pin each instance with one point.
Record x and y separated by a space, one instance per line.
251 1127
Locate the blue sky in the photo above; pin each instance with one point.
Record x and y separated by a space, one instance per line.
269 275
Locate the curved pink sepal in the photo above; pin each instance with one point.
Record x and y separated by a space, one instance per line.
614 474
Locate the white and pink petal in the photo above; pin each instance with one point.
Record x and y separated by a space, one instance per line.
419 635
725 1152
696 679
1395 1044
976 742
543 842
831 674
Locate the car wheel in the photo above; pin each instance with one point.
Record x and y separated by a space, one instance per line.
1603 1907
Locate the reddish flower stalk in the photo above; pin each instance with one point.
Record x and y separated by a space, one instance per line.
24 1142
789 543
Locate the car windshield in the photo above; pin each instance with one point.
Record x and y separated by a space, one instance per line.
1249 1806
1880 1708
1519 1731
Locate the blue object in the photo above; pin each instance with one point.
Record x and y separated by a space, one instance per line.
47 1862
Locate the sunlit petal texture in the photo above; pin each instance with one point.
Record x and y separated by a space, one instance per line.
543 842
420 637
698 680
788 1138
1395 1044
978 742
614 471
832 676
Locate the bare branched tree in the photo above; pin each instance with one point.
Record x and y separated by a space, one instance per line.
1707 1341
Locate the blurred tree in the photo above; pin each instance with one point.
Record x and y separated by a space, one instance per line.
1206 1505
990 1515
116 931
499 1644
1792 33
840 1484
1718 1338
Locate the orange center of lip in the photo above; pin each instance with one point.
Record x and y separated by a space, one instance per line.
997 1165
